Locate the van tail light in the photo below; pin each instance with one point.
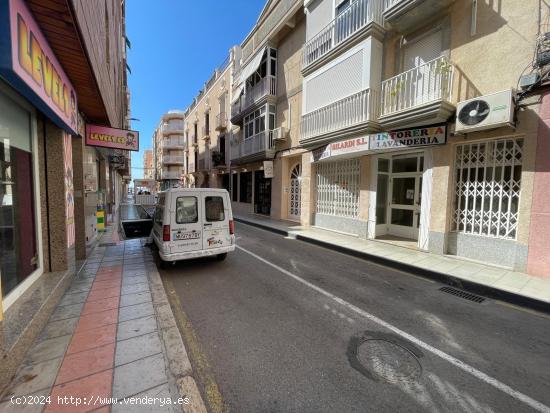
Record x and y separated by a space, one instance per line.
231 227
166 233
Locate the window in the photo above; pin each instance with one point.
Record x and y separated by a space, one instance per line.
18 232
338 188
487 187
186 210
213 206
246 187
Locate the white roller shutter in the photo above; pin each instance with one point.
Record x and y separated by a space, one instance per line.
319 16
423 50
342 80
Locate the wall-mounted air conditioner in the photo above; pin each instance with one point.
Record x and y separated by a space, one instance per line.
485 112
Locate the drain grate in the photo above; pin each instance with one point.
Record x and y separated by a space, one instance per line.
462 294
108 244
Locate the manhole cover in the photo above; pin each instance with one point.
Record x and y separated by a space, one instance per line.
382 357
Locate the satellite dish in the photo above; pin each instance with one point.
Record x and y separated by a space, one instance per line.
474 112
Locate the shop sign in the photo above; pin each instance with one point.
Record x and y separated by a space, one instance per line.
29 64
268 169
105 137
344 148
320 153
424 136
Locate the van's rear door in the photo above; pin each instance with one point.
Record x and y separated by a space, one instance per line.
186 223
216 220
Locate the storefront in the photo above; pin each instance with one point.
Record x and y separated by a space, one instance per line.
20 250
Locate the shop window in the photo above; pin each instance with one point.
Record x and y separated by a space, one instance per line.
487 187
246 187
338 188
18 237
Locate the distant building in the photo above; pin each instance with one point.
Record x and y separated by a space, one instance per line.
168 150
148 164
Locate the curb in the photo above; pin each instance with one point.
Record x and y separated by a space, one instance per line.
175 354
481 289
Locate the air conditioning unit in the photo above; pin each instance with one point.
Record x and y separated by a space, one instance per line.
280 134
485 112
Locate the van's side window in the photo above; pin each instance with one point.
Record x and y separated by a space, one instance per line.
159 212
186 210
214 208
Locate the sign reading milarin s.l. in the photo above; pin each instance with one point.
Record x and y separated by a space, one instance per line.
105 137
30 65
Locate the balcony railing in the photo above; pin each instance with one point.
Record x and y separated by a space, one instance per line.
266 87
174 143
358 15
173 127
171 175
352 110
204 164
221 121
174 159
236 145
424 84
257 143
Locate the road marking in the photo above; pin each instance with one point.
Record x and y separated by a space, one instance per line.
447 357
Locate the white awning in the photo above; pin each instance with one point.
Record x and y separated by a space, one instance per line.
251 67
237 93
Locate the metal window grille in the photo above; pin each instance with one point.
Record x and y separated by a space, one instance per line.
338 188
487 187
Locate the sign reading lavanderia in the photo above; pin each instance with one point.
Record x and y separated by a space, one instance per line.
406 138
105 137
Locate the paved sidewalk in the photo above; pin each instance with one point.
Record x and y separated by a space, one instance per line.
501 282
112 335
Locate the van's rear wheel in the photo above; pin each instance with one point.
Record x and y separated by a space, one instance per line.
221 257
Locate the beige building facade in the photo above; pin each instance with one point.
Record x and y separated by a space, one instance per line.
168 150
208 129
394 120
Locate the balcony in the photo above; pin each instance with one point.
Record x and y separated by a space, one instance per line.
173 160
204 164
174 143
418 96
362 16
403 15
221 121
173 129
256 147
257 95
351 114
170 174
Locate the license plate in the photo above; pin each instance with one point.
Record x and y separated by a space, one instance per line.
186 235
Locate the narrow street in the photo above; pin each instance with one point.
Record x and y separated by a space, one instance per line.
280 325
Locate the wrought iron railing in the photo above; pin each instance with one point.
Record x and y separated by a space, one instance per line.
358 15
266 87
352 110
423 84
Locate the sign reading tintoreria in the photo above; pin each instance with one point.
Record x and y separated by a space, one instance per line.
424 136
105 137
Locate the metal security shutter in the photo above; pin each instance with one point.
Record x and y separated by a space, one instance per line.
423 50
319 16
338 188
341 80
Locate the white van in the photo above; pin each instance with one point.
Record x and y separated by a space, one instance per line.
193 222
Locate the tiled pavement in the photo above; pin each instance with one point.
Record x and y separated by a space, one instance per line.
498 278
101 341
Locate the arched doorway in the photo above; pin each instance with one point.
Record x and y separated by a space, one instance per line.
294 199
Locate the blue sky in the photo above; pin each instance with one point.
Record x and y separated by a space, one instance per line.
176 44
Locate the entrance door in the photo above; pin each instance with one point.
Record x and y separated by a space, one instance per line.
294 196
405 195
416 55
262 194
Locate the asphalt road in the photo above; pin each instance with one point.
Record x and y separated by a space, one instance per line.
285 326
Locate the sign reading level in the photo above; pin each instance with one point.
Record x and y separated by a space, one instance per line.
31 66
105 137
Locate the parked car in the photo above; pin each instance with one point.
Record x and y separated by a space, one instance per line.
193 222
